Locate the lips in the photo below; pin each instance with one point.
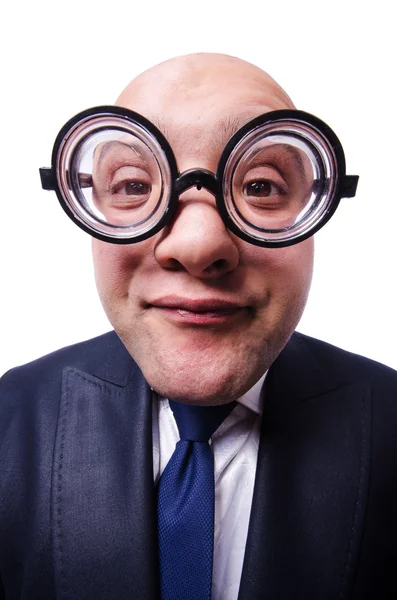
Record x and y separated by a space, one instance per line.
205 311
195 305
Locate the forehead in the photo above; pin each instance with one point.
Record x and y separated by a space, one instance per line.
209 108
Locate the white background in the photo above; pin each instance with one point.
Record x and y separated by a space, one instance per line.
336 60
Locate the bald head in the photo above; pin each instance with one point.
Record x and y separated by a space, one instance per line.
186 76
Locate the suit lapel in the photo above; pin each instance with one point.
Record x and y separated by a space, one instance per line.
103 512
310 488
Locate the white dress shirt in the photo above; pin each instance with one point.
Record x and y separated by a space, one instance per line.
235 444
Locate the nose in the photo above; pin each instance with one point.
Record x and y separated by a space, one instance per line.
197 240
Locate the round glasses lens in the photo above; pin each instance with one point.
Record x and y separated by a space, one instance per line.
279 181
115 178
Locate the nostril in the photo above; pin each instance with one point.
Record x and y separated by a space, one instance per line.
174 265
219 264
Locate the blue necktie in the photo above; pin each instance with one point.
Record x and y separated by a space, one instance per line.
186 503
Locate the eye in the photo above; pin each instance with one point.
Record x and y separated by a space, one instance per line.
129 193
262 188
133 188
130 188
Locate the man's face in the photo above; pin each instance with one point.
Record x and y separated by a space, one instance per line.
202 312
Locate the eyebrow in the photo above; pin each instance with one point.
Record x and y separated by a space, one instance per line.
294 154
108 147
227 127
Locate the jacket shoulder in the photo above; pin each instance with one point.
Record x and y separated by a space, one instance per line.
341 364
104 356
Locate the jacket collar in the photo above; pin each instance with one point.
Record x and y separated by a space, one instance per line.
110 361
298 374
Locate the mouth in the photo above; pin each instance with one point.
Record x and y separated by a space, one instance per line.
204 311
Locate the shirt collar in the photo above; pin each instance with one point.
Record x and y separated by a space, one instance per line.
253 398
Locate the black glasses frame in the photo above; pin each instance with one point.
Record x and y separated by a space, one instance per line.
345 185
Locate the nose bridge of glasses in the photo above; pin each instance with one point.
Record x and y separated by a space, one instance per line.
199 178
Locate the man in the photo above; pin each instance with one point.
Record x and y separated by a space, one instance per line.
204 297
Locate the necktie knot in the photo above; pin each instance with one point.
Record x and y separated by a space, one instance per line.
199 423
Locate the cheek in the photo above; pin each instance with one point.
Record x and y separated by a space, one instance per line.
113 266
285 273
294 265
295 269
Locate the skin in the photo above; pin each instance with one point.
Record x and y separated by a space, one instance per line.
196 257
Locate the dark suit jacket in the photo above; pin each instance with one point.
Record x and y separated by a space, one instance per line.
77 501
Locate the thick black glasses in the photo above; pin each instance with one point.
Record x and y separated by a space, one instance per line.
279 179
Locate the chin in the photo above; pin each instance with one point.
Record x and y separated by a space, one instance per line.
198 395
195 382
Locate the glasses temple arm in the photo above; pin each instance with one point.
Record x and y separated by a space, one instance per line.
348 186
48 181
47 178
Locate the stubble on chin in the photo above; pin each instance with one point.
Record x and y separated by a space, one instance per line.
203 370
